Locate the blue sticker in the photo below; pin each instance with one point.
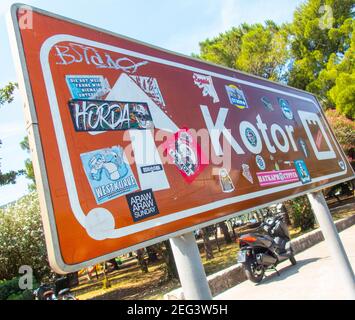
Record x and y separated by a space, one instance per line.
251 136
236 97
286 109
261 163
267 104
304 147
342 165
87 87
302 171
109 174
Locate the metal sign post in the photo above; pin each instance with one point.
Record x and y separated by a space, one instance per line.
191 272
336 248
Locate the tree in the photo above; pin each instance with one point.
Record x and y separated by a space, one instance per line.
168 255
7 96
7 93
301 214
320 39
29 172
206 232
342 94
224 228
22 239
257 49
142 263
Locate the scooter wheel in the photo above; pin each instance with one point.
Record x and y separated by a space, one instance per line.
293 260
254 271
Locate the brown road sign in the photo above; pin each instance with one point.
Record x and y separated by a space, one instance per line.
134 144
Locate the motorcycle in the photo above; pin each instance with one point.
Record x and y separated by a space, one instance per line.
53 292
260 252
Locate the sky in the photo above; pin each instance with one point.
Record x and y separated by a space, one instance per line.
177 25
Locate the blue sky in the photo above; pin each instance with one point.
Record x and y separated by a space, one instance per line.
175 25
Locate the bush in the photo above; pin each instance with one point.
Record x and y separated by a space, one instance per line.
9 290
344 130
22 239
302 215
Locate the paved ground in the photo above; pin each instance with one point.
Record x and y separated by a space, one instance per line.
313 278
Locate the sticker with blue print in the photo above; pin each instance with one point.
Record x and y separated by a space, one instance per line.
286 109
87 86
237 97
261 163
109 174
302 171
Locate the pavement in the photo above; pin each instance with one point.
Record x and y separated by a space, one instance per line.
313 278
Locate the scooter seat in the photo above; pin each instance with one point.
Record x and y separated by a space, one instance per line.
64 291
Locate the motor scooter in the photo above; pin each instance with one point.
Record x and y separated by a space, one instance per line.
266 248
58 291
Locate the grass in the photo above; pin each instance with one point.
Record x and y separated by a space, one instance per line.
131 283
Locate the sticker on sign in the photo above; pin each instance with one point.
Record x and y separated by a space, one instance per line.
134 145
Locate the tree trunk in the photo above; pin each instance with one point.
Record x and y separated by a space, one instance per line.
141 261
152 254
207 243
169 259
233 230
289 213
287 216
215 231
225 231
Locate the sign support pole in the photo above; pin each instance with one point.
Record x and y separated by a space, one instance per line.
189 265
332 239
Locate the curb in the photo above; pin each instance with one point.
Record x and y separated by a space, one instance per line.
229 278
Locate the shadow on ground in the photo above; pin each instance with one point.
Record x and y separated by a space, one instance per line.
287 271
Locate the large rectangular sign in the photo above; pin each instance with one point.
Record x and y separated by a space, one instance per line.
133 144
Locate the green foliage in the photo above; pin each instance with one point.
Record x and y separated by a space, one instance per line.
8 178
315 52
257 49
7 93
9 290
7 96
29 172
302 215
322 49
22 239
344 130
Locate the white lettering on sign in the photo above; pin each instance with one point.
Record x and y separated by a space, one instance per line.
76 53
219 128
282 138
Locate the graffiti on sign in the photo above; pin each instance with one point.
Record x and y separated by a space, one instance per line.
98 115
75 53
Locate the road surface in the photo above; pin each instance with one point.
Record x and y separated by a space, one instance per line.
313 278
